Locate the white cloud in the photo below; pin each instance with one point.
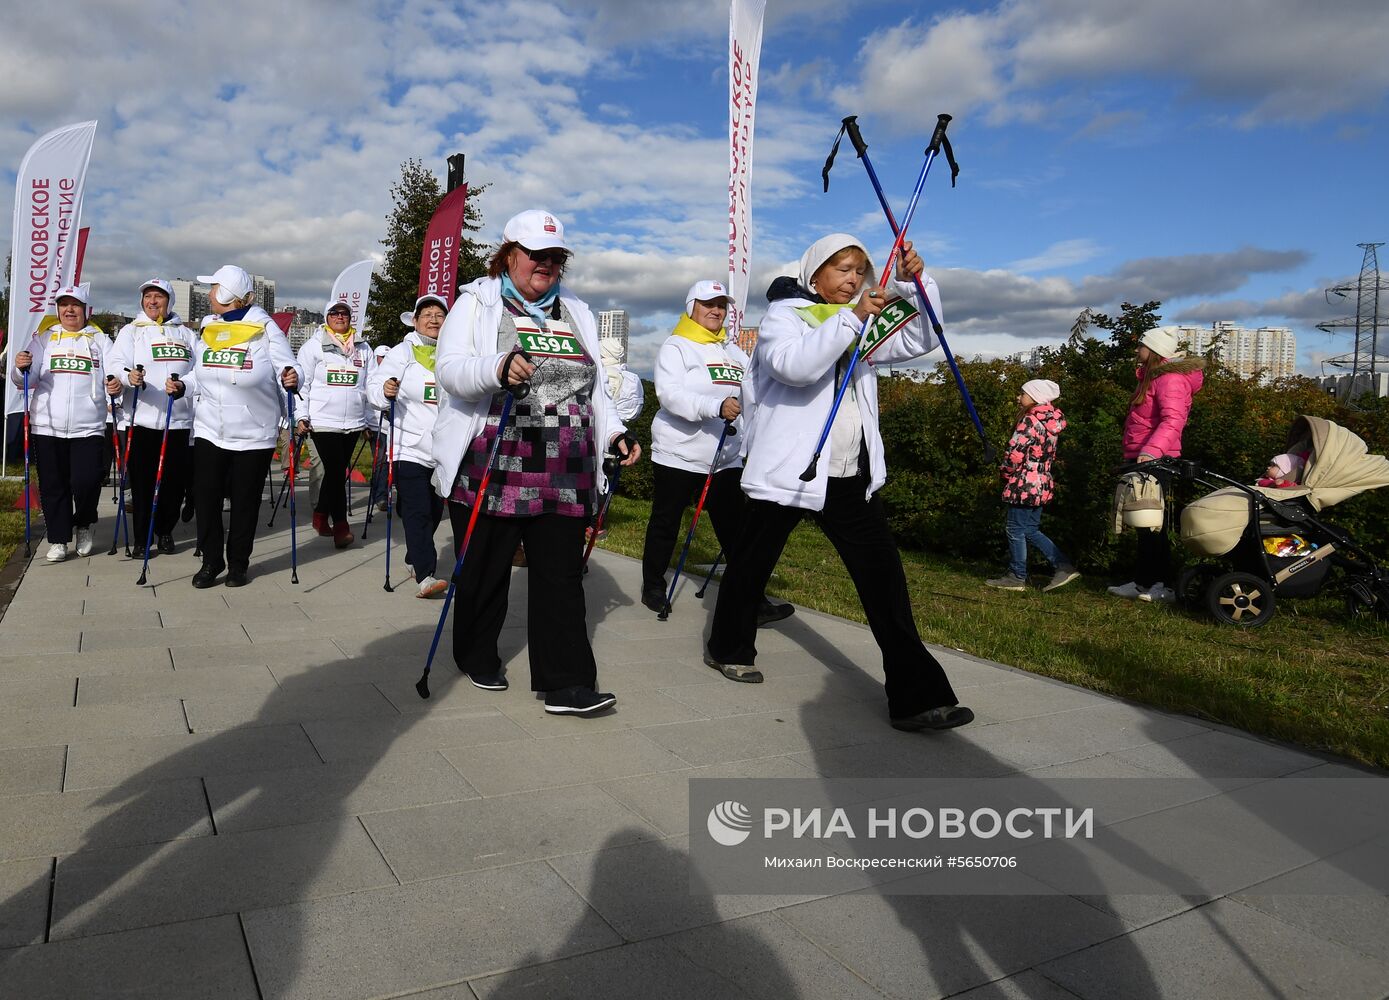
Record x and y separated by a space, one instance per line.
1066 253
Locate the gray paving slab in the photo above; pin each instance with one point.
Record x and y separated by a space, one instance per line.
632 972
663 799
370 738
766 734
635 709
26 770
1086 732
37 692
1029 985
455 837
1222 950
191 682
137 762
937 946
779 694
24 891
51 823
198 958
309 654
501 768
263 799
99 891
434 933
120 641
159 717
1216 754
73 664
210 712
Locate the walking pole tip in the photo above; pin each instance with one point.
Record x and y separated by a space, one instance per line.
422 687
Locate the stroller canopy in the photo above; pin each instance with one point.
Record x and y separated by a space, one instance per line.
1339 466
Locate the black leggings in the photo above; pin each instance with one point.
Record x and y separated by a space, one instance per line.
144 464
675 490
70 473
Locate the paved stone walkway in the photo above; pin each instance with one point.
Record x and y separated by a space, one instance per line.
237 793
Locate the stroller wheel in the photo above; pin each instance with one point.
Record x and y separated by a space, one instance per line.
1241 599
1364 599
1193 581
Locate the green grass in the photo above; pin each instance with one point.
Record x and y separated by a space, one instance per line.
12 520
1311 676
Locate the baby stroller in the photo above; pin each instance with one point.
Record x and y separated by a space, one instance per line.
1275 540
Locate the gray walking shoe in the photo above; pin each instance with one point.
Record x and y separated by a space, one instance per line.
1063 576
1007 582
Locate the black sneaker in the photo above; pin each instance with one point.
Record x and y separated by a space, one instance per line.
578 701
942 717
236 578
166 543
206 576
768 613
489 682
654 597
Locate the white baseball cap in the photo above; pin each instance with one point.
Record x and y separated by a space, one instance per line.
82 293
703 291
332 304
160 284
234 283
535 229
408 318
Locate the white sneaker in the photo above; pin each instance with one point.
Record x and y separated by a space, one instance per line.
57 552
84 541
430 587
1157 592
1129 590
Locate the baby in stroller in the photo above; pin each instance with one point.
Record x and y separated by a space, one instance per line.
1284 472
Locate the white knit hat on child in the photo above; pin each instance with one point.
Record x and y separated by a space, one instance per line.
1042 390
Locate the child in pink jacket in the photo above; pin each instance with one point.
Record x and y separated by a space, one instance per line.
1167 381
1028 486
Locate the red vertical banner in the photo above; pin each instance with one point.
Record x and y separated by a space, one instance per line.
439 258
283 320
81 252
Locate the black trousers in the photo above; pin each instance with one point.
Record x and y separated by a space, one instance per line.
858 530
1153 562
556 632
144 464
70 474
421 510
335 452
674 491
239 475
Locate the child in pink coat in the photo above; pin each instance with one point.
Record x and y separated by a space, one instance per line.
1028 486
1167 381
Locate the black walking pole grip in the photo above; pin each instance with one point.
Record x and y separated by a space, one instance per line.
834 151
939 142
855 136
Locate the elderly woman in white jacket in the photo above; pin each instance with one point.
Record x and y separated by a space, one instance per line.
242 367
405 377
154 346
699 381
803 348
520 325
68 389
336 363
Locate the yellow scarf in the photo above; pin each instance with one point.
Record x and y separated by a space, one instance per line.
345 341
817 314
221 335
59 333
424 355
691 330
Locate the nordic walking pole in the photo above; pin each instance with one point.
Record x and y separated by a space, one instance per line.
479 499
728 431
27 550
297 443
390 482
125 471
810 470
850 125
710 577
602 516
158 478
371 484
293 461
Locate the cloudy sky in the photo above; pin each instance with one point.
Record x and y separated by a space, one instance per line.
1222 157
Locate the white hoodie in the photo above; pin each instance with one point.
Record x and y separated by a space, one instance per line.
67 382
692 382
466 369
335 383
794 383
163 349
237 407
416 405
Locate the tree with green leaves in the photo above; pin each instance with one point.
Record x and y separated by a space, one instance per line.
395 284
1131 323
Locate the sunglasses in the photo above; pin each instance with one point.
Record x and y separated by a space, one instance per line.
541 256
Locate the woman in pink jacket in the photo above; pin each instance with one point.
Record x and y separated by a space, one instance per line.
1167 381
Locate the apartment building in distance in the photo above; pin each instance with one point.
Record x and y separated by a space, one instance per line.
1268 352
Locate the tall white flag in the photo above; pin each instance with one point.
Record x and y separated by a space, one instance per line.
353 287
744 54
47 213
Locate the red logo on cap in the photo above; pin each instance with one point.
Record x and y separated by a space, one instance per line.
718 287
550 225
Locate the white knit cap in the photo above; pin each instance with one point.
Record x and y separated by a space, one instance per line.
1042 390
822 250
1162 341
1287 463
